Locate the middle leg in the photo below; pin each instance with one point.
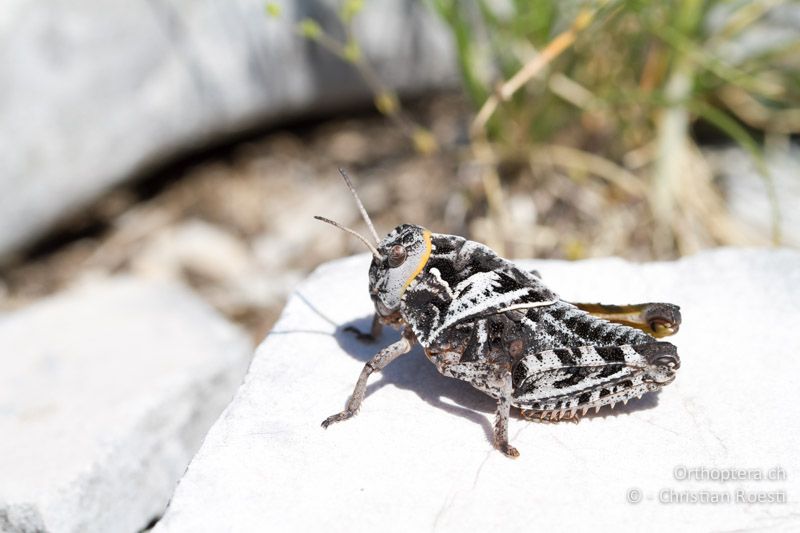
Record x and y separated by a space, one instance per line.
496 381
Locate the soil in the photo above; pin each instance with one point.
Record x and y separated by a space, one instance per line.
236 223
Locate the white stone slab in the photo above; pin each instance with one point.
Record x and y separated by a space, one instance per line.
106 392
418 456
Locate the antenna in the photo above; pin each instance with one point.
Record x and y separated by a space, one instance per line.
352 232
360 206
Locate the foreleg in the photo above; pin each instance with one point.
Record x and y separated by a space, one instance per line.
374 330
376 364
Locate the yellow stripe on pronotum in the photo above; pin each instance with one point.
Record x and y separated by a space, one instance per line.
426 235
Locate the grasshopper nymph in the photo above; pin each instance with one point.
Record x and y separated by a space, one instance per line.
482 319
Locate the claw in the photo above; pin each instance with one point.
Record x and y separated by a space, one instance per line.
360 335
663 330
338 417
508 450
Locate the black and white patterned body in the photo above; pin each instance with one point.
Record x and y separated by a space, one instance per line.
482 319
467 305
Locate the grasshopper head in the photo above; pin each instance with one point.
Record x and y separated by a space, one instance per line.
402 256
396 260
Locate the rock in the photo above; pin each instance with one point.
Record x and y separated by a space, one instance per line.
197 247
94 91
418 456
776 28
106 392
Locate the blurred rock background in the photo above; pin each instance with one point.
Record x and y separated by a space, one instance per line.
190 143
146 137
193 142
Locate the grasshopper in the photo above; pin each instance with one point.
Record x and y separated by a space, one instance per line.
482 319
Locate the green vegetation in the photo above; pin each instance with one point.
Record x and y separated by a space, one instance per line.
607 94
621 83
386 101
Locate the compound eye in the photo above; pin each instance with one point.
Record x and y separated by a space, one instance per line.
397 256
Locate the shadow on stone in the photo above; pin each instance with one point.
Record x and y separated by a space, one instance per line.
415 373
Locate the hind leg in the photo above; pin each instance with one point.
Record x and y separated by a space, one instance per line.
541 416
562 382
654 318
